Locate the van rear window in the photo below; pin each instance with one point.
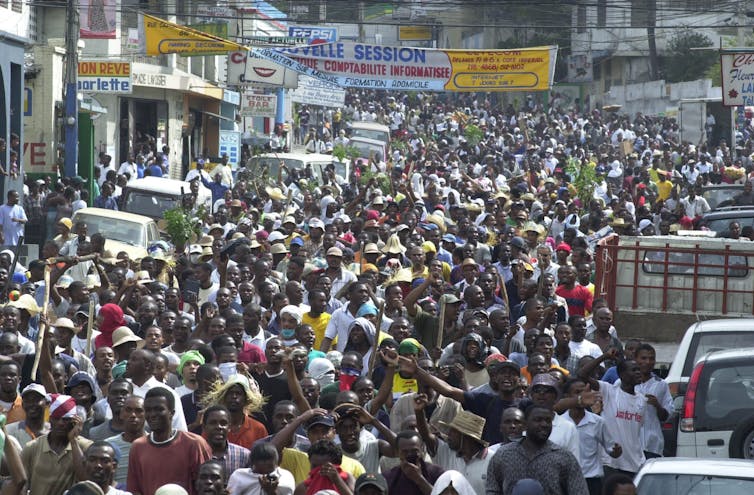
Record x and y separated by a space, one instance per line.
708 264
705 342
725 396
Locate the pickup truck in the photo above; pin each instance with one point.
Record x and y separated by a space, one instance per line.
659 285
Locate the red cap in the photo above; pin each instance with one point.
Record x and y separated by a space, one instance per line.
563 247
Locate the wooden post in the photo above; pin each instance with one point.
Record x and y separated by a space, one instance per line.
376 344
90 327
42 326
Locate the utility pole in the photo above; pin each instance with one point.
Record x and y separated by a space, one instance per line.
651 39
71 119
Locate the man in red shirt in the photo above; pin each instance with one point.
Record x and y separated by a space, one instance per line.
578 298
165 455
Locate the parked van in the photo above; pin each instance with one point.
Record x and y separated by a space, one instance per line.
717 419
371 130
122 231
658 286
152 196
269 163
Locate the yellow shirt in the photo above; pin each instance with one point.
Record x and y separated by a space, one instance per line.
297 463
664 189
319 325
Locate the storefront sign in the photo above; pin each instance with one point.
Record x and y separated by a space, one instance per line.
357 65
153 80
314 92
738 79
414 33
230 144
254 105
105 76
161 37
314 34
275 40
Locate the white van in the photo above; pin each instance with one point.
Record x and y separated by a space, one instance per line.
717 418
152 196
369 148
371 130
269 163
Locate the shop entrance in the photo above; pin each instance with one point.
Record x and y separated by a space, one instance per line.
143 126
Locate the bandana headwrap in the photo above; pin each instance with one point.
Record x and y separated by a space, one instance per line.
62 406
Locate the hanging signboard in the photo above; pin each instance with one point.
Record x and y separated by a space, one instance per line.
246 68
311 91
162 37
357 65
255 105
738 78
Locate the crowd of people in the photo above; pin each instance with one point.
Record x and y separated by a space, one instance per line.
427 324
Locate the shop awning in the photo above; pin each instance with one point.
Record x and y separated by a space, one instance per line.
212 114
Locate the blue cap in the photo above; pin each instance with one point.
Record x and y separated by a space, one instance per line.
429 226
449 238
297 241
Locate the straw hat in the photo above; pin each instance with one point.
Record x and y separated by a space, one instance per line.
468 424
121 335
27 302
274 193
393 246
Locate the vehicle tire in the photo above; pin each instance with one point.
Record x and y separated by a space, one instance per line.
741 444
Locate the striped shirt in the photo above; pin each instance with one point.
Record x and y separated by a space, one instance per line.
235 457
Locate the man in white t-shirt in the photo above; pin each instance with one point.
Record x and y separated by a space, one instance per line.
624 411
579 345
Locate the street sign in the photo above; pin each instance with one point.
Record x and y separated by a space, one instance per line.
275 40
255 105
314 33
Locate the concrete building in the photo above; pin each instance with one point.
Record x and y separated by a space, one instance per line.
609 40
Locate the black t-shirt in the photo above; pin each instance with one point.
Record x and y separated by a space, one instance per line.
490 406
274 389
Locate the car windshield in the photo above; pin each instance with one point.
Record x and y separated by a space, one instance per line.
149 204
693 484
270 165
367 150
718 197
720 225
725 396
705 342
114 229
371 134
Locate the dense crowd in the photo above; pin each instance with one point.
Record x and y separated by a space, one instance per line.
427 324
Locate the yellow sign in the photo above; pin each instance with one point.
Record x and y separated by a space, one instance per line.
163 37
414 33
501 70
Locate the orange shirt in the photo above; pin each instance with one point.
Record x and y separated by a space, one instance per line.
16 412
525 372
251 431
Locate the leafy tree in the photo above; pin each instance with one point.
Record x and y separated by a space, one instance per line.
682 62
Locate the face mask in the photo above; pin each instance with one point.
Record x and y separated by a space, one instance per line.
288 333
326 379
346 381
